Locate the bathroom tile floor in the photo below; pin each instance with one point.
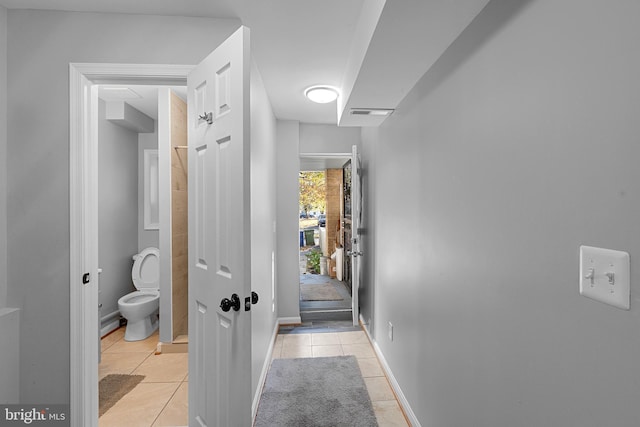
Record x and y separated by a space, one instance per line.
161 398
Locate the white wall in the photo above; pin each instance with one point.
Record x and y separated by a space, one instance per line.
287 169
9 356
41 46
146 238
320 138
117 209
518 146
263 222
3 156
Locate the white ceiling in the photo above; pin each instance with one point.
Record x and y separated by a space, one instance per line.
147 102
320 163
374 51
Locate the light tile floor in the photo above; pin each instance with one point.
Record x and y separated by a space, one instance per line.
161 398
354 343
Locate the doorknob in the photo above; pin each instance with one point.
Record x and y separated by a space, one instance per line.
227 304
254 298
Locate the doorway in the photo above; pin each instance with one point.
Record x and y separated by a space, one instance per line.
231 89
324 295
84 349
140 170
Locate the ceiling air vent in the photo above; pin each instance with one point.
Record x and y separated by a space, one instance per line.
372 111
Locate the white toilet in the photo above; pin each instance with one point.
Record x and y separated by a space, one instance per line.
140 307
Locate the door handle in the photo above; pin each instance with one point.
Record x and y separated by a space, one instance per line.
227 304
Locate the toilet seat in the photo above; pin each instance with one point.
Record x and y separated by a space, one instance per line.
146 269
138 297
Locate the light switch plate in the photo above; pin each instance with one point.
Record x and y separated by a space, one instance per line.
605 276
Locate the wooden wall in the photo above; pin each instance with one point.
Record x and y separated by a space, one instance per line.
179 216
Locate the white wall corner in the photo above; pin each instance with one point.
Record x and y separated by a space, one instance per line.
263 374
3 156
365 27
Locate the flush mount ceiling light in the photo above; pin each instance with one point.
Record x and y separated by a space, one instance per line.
321 94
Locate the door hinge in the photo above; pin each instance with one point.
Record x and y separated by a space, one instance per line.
86 278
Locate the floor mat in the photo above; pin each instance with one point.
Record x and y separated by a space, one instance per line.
319 292
315 392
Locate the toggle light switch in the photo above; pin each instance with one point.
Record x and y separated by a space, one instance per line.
605 275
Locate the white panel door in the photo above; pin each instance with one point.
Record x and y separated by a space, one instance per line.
219 239
356 218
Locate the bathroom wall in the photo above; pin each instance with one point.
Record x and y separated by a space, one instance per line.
117 209
41 46
146 238
3 156
521 144
263 226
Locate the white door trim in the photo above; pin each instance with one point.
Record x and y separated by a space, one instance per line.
83 230
346 156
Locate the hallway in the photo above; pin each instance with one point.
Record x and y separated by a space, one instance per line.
161 398
327 339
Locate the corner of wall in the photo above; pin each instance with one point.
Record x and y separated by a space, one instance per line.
3 156
287 252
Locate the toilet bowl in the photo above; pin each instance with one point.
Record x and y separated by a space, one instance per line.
140 307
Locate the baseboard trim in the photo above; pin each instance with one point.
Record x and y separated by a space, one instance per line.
172 347
109 327
263 374
404 403
289 320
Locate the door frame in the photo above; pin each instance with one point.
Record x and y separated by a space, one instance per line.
83 215
345 157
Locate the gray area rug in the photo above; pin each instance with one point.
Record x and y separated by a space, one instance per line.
310 392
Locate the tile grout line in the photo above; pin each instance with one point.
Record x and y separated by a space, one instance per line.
140 364
166 404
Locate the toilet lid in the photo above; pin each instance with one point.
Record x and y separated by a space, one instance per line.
146 269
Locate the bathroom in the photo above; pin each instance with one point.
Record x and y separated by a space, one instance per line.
139 186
